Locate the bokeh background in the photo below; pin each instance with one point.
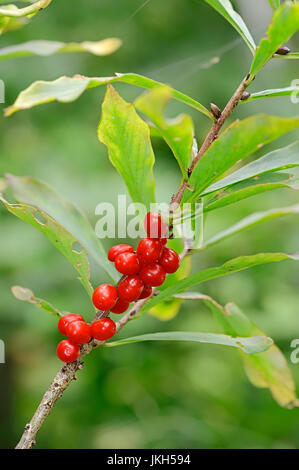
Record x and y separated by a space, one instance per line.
147 395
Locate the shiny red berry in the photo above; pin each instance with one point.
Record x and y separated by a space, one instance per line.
66 319
78 332
103 329
146 292
127 263
164 241
153 275
154 226
170 260
130 288
149 250
118 249
121 306
68 351
104 297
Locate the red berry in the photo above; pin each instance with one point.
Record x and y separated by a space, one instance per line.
164 241
170 260
103 329
78 332
127 263
66 319
130 288
68 351
121 306
154 226
146 292
149 250
118 249
104 297
153 275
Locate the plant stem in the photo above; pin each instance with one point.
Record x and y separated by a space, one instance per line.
211 136
62 380
67 373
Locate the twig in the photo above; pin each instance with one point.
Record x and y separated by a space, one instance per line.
68 372
62 380
212 135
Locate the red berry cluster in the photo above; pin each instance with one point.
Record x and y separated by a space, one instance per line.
79 332
142 270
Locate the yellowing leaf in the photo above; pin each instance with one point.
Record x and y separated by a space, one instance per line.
46 48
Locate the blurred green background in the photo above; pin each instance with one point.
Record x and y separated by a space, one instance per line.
147 395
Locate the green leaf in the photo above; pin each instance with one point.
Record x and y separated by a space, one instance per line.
231 266
178 132
169 309
10 24
247 188
15 12
26 295
291 90
127 138
225 8
284 24
286 157
46 48
247 345
274 4
57 235
31 191
240 140
251 221
266 369
67 89
290 55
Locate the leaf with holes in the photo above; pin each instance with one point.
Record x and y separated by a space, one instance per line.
127 138
177 132
63 240
38 194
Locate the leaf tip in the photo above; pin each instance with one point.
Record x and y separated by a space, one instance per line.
22 293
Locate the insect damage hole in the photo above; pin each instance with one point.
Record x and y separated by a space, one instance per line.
77 248
39 217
